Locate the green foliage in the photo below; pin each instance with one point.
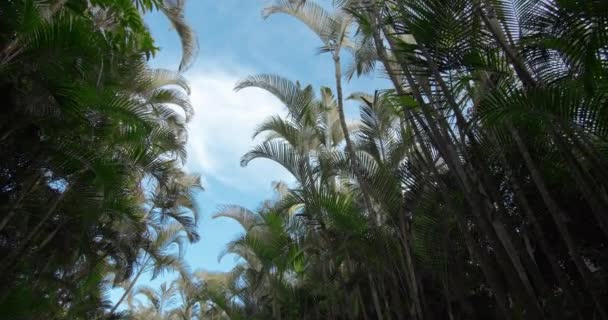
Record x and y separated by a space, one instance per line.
92 191
485 162
474 188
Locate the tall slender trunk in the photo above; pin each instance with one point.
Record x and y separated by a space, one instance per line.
411 269
404 282
583 181
468 179
349 144
397 301
460 120
487 268
558 272
49 237
410 266
17 203
585 147
559 218
361 302
448 302
489 18
488 15
386 295
502 235
131 285
375 297
24 245
509 258
9 132
459 286
520 198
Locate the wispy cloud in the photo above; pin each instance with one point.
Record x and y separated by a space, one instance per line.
220 132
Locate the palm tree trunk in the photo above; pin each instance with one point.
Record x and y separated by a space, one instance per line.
558 215
488 271
520 197
502 234
582 143
397 84
349 144
20 250
131 285
487 266
489 18
511 268
498 288
598 208
375 298
531 265
17 203
49 237
468 179
9 132
385 298
459 286
559 218
360 298
460 120
446 296
507 256
402 280
490 223
411 269
520 262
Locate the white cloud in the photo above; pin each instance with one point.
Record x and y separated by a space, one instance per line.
220 132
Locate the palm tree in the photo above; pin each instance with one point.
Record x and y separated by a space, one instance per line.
432 153
333 30
439 51
484 165
159 300
86 123
474 188
159 257
121 20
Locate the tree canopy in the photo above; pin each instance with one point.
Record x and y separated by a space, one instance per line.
475 187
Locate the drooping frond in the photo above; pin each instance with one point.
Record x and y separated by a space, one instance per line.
174 10
295 98
321 22
242 215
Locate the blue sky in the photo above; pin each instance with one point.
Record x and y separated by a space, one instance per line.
235 42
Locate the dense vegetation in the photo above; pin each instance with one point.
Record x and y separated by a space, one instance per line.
474 188
92 140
